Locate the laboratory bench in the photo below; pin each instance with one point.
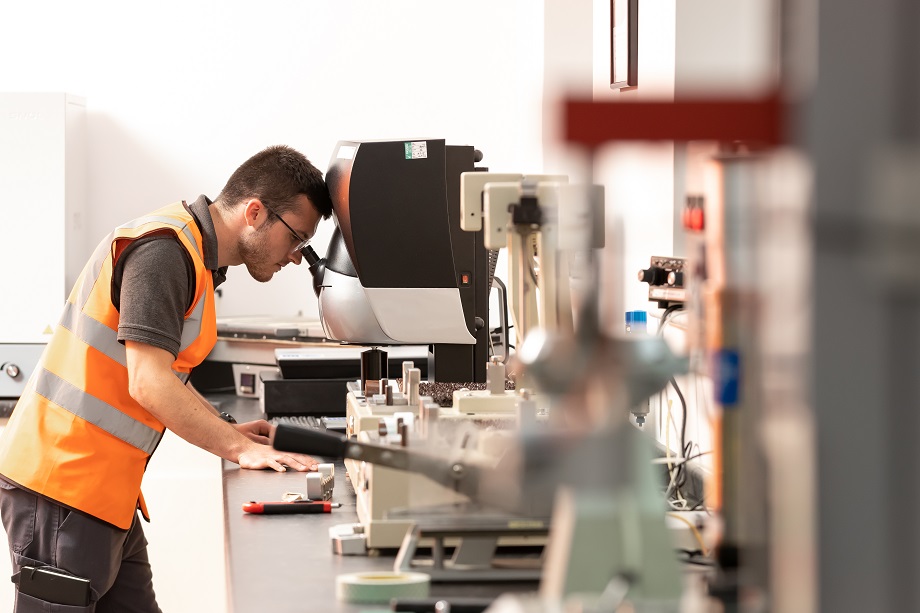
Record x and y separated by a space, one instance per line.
283 563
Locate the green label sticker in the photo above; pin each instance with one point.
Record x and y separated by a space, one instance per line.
416 150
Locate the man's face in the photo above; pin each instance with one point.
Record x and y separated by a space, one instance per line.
267 248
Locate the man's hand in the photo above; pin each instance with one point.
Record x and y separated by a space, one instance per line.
263 456
257 431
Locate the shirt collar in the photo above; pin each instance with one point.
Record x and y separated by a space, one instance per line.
202 215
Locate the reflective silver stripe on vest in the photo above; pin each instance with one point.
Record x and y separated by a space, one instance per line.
94 333
95 265
191 329
164 220
96 412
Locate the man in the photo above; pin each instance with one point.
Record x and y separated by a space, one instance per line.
114 374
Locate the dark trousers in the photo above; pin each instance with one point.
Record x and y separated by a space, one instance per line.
42 533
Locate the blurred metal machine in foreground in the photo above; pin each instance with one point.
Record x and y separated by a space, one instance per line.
737 298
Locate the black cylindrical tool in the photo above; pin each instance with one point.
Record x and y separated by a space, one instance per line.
373 366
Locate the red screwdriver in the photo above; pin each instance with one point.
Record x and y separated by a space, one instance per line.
298 506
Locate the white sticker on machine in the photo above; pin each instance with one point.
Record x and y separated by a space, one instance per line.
416 150
346 152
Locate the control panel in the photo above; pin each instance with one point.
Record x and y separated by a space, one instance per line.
665 278
246 379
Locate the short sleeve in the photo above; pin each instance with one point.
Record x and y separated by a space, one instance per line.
153 287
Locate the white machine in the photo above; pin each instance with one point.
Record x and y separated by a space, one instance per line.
541 220
42 244
478 421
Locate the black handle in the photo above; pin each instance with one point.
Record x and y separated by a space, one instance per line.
309 441
291 508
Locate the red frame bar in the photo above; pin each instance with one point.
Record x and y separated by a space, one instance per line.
757 121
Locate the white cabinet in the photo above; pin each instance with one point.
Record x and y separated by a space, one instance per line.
42 237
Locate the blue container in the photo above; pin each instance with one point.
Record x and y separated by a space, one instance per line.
636 322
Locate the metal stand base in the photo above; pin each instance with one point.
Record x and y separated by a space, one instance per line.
474 557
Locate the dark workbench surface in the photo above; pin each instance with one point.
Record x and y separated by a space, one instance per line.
284 563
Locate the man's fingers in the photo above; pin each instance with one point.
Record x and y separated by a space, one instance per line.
264 458
300 462
264 427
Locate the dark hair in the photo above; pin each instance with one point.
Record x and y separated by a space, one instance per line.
276 176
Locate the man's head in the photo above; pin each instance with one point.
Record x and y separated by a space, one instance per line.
278 196
276 176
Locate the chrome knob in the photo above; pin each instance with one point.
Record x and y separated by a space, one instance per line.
11 369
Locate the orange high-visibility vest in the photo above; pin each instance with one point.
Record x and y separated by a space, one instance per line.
76 435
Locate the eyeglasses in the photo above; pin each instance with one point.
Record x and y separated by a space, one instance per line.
299 242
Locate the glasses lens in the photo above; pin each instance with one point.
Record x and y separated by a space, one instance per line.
300 245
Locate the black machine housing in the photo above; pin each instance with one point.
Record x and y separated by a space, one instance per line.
397 212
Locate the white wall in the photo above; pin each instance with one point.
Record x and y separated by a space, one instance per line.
726 47
180 93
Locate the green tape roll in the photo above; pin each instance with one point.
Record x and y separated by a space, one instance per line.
374 588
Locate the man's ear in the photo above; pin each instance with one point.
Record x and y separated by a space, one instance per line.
254 213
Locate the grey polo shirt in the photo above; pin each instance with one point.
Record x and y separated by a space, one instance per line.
154 283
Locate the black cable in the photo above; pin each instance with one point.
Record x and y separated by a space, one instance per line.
683 421
697 562
666 314
697 455
680 478
218 390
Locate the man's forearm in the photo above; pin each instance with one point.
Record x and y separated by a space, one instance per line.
152 383
189 415
201 398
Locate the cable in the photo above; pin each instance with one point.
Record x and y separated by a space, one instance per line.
665 315
697 455
677 469
219 390
667 454
696 561
683 426
680 478
683 421
701 506
674 472
696 532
